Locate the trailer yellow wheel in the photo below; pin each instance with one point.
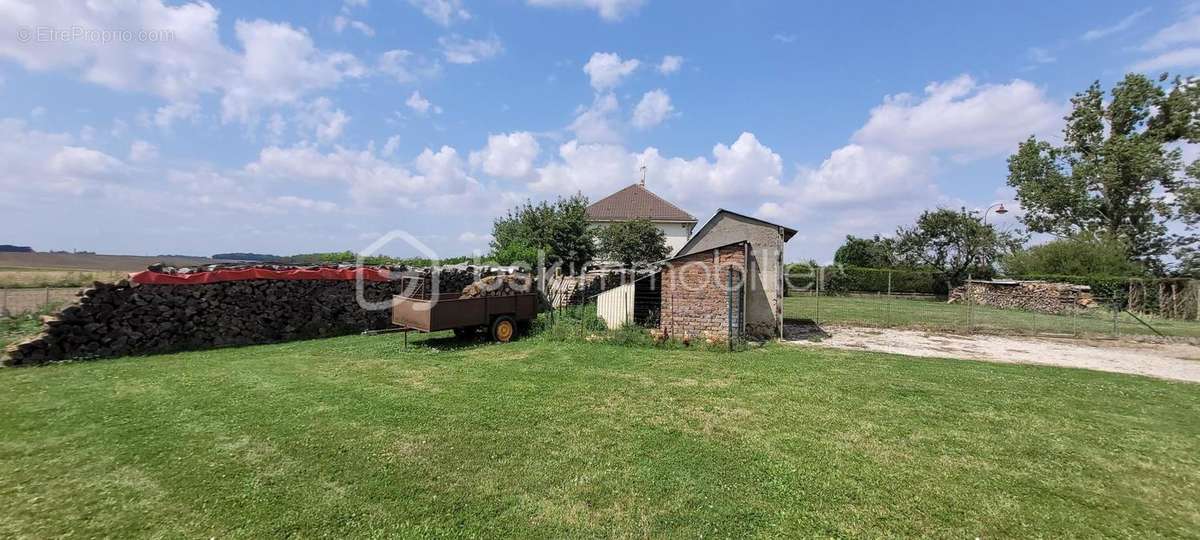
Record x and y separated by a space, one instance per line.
503 329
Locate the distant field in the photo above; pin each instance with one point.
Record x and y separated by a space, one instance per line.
93 263
40 270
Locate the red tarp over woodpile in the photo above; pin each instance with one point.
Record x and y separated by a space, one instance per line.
242 274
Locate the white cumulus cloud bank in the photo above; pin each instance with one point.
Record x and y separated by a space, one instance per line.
609 10
653 109
607 70
507 155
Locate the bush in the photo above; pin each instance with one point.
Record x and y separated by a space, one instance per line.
1084 254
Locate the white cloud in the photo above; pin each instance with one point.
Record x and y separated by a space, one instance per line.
962 116
165 116
420 105
670 64
740 173
474 240
607 70
856 174
887 174
290 201
142 151
325 122
1185 31
595 124
390 147
443 12
341 22
370 179
507 155
1182 58
1121 26
653 109
460 50
785 38
406 66
609 10
1038 55
1171 42
37 112
277 64
37 162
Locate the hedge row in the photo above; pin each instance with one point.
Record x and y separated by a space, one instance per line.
845 279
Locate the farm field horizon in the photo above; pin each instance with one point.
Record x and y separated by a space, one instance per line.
357 436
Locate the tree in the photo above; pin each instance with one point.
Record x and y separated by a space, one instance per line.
632 242
559 229
953 244
1082 254
1114 173
874 252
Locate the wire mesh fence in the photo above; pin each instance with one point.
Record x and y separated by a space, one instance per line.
1166 308
20 301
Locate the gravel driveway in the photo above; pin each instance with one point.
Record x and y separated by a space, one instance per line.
1177 361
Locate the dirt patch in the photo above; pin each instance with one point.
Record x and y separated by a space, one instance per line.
1177 361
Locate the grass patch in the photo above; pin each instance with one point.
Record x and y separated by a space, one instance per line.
357 436
935 314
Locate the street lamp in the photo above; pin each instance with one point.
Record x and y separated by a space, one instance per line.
1000 209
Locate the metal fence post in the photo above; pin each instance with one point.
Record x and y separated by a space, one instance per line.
1074 315
1116 331
820 278
887 311
970 308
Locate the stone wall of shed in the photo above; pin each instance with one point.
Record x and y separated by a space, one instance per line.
695 296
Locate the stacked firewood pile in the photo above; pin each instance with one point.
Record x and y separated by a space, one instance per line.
502 285
124 318
1040 296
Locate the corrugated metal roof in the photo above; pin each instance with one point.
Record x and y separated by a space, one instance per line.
636 202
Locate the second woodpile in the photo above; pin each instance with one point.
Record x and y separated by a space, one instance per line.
1040 296
502 285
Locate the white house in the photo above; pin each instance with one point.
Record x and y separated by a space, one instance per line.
637 202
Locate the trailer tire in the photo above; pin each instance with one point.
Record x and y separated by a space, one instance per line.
504 329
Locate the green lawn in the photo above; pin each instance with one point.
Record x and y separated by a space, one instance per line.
939 315
356 437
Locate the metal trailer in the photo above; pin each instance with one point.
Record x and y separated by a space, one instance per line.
501 316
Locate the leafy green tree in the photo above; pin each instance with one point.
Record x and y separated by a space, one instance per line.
1115 173
874 252
633 242
559 228
953 244
1082 254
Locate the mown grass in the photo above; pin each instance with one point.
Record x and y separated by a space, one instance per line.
939 315
357 436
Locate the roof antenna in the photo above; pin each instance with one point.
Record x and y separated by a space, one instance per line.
643 176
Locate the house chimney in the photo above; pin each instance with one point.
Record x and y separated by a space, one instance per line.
643 176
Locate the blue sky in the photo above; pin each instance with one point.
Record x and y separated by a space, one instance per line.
287 127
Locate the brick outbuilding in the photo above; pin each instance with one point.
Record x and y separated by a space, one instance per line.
703 293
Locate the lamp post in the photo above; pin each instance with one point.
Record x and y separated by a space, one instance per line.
1000 209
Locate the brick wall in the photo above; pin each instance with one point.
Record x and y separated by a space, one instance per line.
695 296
